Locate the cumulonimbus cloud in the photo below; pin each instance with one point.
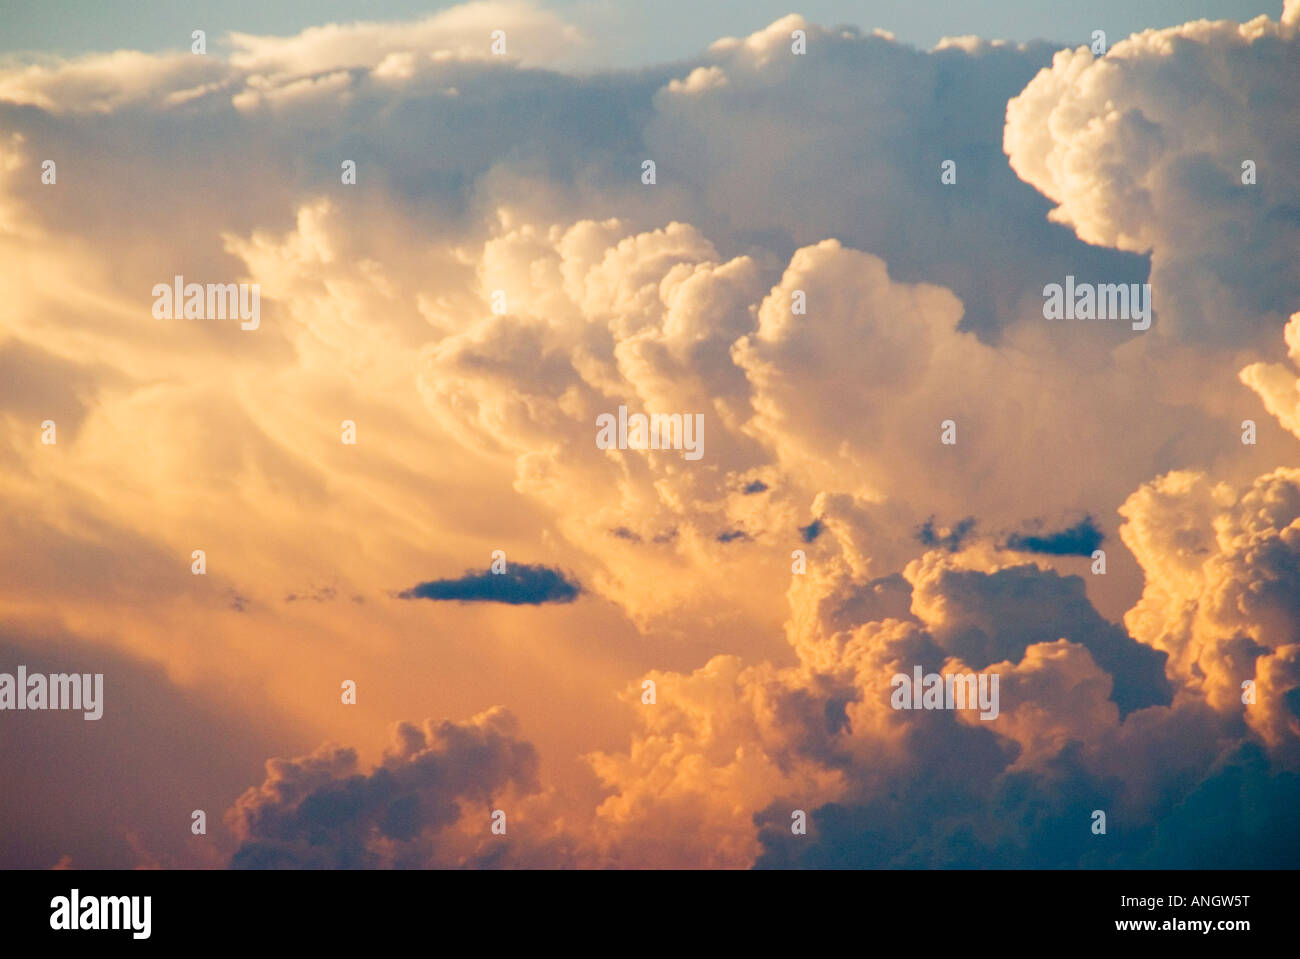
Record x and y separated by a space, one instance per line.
822 426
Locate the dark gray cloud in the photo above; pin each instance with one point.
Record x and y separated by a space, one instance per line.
1241 814
321 812
812 530
1079 540
996 616
888 597
520 584
950 539
1244 816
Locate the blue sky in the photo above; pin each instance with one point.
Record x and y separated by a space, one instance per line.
625 34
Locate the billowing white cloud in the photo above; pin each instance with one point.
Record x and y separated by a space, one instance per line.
532 34
1221 593
1149 149
1278 386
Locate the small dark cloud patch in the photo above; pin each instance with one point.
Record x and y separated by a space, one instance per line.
323 595
811 531
731 535
521 584
632 536
951 539
758 486
1079 540
238 603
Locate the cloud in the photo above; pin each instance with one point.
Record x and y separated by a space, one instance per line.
520 584
475 424
1134 163
821 736
983 617
669 299
1220 596
398 48
1240 817
1079 540
1088 720
949 539
1276 385
711 751
320 812
866 170
103 83
267 70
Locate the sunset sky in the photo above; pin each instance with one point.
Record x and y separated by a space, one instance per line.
499 276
